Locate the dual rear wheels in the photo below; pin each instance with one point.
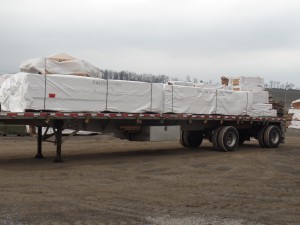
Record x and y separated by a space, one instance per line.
224 138
191 139
227 138
269 136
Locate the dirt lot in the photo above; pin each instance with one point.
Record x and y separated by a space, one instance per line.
111 181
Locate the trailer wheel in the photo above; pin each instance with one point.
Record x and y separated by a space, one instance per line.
215 138
228 139
208 135
181 140
260 137
272 136
242 139
191 139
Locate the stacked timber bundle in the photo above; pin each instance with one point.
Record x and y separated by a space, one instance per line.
294 111
66 84
255 85
199 100
56 92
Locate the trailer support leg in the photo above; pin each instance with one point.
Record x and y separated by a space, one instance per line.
39 154
58 126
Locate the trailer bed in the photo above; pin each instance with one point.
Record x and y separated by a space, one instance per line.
224 131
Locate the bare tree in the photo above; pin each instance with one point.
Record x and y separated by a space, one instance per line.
289 86
125 75
278 84
188 78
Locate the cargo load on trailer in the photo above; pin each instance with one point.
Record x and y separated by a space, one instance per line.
78 88
55 92
294 111
25 91
60 64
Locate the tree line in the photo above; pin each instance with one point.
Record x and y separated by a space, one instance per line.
150 78
125 75
145 77
278 85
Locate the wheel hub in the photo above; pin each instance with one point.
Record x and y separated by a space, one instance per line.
274 137
230 139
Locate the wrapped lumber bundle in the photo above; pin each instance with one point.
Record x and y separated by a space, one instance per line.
195 100
296 104
55 92
294 111
66 84
183 99
255 84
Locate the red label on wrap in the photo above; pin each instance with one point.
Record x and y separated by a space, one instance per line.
51 95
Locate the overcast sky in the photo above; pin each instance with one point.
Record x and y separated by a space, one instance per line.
201 38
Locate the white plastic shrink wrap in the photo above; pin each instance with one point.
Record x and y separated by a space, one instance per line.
261 106
84 94
5 85
181 99
75 93
60 64
296 104
134 97
22 91
295 124
246 83
3 77
234 102
193 100
25 91
260 97
263 112
296 117
295 111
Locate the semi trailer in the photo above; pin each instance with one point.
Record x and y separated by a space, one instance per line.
225 132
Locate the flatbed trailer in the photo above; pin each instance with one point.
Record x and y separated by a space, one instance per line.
224 131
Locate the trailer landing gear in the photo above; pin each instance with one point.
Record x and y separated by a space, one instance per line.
39 154
58 134
57 129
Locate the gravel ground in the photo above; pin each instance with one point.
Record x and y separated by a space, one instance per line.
109 181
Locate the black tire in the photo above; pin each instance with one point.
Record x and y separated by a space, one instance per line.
215 135
272 136
181 140
260 137
192 139
208 135
228 139
242 139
